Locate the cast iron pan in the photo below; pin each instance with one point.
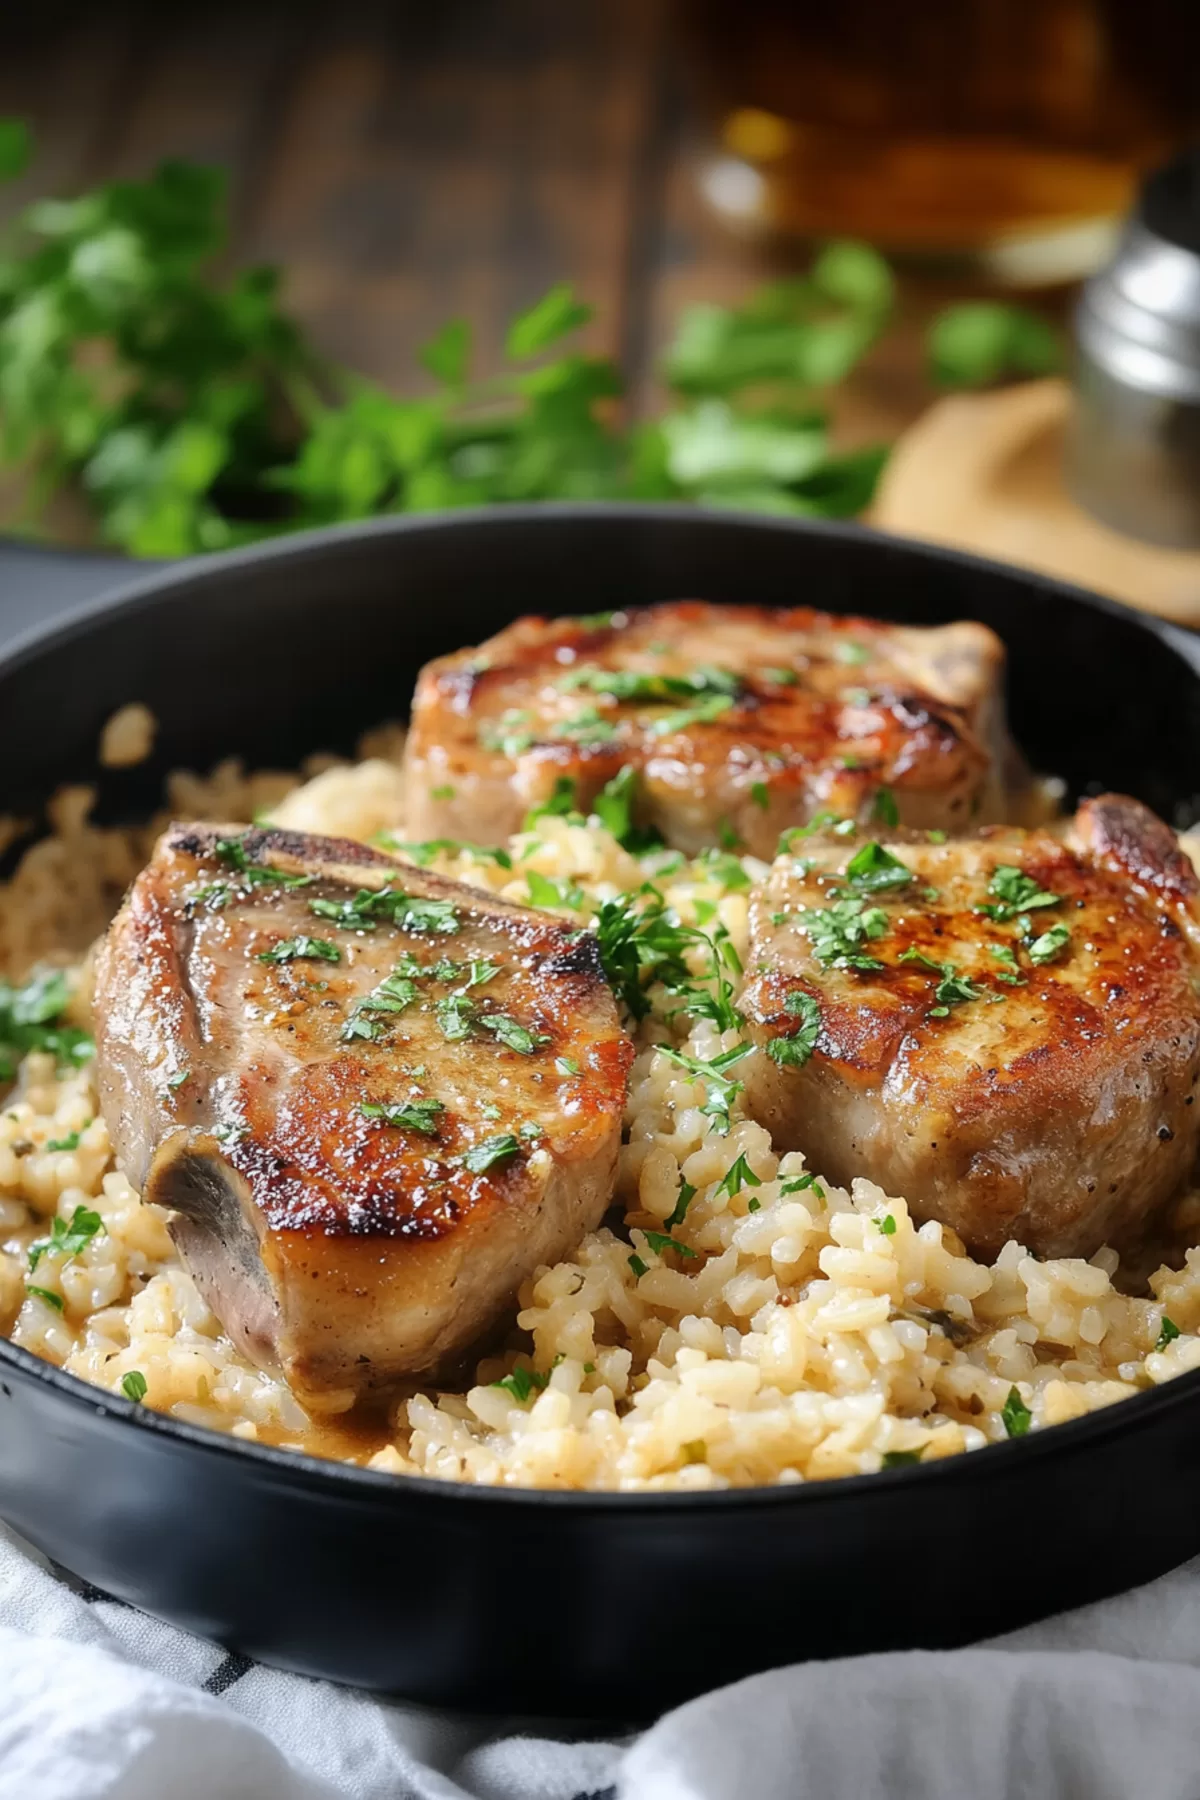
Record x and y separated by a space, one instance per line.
613 1604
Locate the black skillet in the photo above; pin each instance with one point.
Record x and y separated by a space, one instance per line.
580 1603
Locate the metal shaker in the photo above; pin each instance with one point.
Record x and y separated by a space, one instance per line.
1133 456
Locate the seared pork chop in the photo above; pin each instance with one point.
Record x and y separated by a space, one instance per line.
1003 1029
372 1099
737 718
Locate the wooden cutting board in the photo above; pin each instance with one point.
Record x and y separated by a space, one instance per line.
984 472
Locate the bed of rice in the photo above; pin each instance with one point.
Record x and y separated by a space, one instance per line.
812 1334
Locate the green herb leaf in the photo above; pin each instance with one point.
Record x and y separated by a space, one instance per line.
1015 892
492 1153
410 1115
510 1032
737 1176
1050 944
721 1090
982 341
1168 1332
660 1241
873 868
522 1383
552 317
298 949
793 1052
887 1225
797 1183
566 1065
46 1294
838 932
687 1193
638 1266
1016 1415
559 805
133 1385
901 1459
884 808
16 148
67 1237
448 354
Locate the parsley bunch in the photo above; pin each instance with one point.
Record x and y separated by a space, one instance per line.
192 414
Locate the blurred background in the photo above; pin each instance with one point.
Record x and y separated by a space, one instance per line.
405 166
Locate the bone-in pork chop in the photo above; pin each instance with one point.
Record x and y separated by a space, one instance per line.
738 720
1003 1029
374 1100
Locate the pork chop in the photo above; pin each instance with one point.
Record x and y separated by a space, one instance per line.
1005 1029
738 719
373 1099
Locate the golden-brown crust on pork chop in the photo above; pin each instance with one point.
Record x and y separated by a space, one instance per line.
745 718
256 992
1024 1072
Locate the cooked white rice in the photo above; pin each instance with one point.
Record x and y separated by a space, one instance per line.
809 1334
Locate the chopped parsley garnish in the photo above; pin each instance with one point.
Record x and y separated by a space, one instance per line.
820 822
70 1142
522 1383
779 677
455 1016
509 1031
232 850
722 1092
873 868
613 806
507 735
566 1065
1016 1415
797 1183
544 892
640 686
588 726
737 1176
848 651
1014 892
754 1206
491 1153
368 1015
1168 1332
408 1115
301 949
793 1052
887 1225
444 792
1011 972
954 989
46 1294
175 1082
759 795
901 1459
884 808
703 713
935 836
838 932
67 1237
133 1385
638 1266
29 1021
1044 949
560 803
660 1241
727 870
370 905
687 1194
424 852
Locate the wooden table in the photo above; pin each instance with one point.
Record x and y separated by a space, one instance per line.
407 164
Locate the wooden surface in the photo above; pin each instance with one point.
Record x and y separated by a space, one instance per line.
406 164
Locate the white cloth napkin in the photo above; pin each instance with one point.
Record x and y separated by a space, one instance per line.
99 1702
